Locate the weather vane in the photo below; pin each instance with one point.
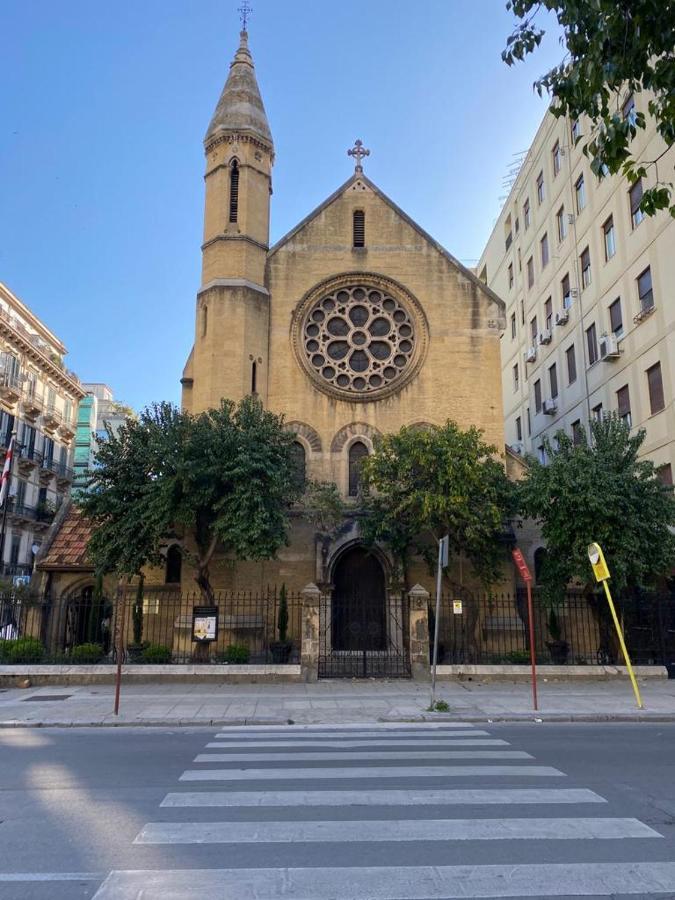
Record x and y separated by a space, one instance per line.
244 12
358 151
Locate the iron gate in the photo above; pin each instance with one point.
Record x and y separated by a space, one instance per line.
364 636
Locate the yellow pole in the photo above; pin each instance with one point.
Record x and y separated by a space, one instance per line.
636 690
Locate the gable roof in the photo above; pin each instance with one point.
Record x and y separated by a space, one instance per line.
68 548
359 176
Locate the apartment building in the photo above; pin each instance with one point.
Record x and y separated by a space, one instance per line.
588 281
38 401
98 411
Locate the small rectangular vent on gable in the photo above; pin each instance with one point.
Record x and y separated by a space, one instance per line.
359 228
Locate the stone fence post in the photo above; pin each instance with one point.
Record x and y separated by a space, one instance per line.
309 651
419 633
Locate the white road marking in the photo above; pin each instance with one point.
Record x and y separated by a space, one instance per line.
397 830
345 773
50 876
462 730
361 756
349 728
435 741
402 882
420 797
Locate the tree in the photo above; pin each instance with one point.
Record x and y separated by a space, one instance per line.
613 49
425 483
600 491
225 477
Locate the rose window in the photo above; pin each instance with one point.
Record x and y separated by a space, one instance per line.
358 339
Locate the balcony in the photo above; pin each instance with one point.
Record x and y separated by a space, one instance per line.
28 459
31 403
67 430
40 515
51 419
64 476
16 570
10 387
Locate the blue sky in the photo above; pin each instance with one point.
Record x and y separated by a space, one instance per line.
103 112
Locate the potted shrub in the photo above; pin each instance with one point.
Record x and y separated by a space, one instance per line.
156 654
557 647
235 654
281 649
24 650
85 654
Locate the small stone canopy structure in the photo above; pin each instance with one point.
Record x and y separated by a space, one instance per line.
63 565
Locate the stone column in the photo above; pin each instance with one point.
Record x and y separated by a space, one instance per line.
419 633
309 652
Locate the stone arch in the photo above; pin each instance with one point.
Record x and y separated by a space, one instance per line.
421 426
355 431
310 435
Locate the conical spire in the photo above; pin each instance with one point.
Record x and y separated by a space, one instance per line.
240 108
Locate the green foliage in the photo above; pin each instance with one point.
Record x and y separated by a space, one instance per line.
517 657
600 491
613 49
425 483
225 475
323 506
439 706
156 654
235 653
83 654
282 615
21 650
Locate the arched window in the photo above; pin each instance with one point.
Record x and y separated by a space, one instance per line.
174 561
254 378
234 190
299 461
539 561
205 320
359 228
357 452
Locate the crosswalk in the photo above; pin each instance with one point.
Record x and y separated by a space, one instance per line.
417 812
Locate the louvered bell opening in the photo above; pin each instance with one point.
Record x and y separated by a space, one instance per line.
359 228
234 192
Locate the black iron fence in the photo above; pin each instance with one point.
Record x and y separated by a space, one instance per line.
157 626
493 629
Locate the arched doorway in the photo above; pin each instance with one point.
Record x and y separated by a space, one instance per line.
359 602
363 626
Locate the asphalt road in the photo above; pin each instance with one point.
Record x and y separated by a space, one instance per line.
361 813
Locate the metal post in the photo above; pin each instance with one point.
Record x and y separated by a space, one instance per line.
119 643
533 655
439 576
624 649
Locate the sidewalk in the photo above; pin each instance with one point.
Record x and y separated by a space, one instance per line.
330 702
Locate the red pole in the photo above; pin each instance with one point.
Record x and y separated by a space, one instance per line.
533 655
121 607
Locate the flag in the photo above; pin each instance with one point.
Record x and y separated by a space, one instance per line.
6 470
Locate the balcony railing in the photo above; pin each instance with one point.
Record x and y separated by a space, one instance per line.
10 570
40 513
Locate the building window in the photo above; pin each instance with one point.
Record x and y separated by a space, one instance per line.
585 260
520 261
510 275
359 229
543 244
635 196
571 365
533 330
597 412
299 465
580 193
357 452
513 326
537 396
234 190
205 320
515 377
575 130
548 313
615 317
519 429
526 214
592 344
541 453
645 292
174 563
665 475
522 312
566 292
553 380
556 155
609 238
561 223
517 224
540 188
254 378
623 404
530 272
529 422
628 109
576 432
655 382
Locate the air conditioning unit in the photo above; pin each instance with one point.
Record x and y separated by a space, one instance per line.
562 317
545 336
531 354
609 347
550 407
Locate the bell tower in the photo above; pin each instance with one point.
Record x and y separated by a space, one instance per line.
229 357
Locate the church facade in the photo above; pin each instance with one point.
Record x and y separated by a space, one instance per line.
352 325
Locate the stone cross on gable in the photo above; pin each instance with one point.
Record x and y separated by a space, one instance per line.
358 151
